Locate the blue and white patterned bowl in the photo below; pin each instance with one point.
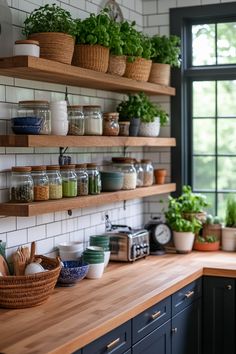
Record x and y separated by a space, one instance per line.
72 272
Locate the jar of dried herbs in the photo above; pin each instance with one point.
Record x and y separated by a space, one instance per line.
21 185
41 183
76 120
55 182
82 179
94 179
69 181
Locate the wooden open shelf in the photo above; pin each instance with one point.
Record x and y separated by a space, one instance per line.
37 208
82 141
32 68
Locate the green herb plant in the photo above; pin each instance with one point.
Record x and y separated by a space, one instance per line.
207 239
49 18
230 217
192 202
166 50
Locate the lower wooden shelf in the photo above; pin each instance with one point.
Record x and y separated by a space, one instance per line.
38 208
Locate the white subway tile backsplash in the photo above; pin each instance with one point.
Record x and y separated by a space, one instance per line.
158 20
45 246
36 233
16 238
163 6
25 222
182 3
53 229
16 94
149 7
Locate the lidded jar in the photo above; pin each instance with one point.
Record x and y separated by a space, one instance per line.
69 181
41 183
76 120
110 123
94 179
55 182
140 173
126 165
148 177
82 179
93 120
38 109
21 185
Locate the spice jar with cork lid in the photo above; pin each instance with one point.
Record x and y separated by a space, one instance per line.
41 183
94 179
93 120
55 182
69 181
21 185
110 123
82 179
76 120
126 165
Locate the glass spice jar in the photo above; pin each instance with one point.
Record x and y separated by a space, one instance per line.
76 120
94 179
41 183
110 123
21 185
82 179
93 120
126 165
140 173
124 128
148 172
55 182
69 181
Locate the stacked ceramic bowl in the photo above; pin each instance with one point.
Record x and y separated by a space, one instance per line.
94 256
72 272
26 125
70 251
102 241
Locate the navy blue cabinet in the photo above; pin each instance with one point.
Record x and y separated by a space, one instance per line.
219 315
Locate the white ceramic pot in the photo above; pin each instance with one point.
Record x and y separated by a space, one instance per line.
71 246
183 241
95 270
150 129
228 239
26 47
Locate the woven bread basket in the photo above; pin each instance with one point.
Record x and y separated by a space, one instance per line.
139 69
117 65
18 292
55 46
93 57
160 74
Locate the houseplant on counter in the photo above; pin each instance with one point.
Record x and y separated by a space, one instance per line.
229 231
54 29
165 54
193 204
207 243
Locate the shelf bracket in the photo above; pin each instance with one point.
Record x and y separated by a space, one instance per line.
62 159
125 150
124 204
69 212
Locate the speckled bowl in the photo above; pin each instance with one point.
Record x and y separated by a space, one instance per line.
72 272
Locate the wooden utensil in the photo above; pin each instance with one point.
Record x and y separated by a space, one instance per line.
19 262
32 252
3 266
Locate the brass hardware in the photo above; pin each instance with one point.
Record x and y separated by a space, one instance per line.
113 343
189 294
174 330
156 314
229 287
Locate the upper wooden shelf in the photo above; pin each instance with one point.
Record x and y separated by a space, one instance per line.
32 68
38 208
81 141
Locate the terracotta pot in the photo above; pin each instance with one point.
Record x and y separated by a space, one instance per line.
160 175
206 246
183 241
160 74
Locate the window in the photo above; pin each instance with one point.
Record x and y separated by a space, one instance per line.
204 109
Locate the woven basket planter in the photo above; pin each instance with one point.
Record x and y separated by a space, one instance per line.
55 46
160 74
138 70
93 57
117 65
18 292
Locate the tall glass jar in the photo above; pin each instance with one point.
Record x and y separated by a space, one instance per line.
21 185
140 173
41 183
93 120
148 172
94 179
126 165
69 181
55 182
76 120
39 109
110 123
82 179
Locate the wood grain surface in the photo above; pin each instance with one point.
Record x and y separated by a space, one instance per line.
73 317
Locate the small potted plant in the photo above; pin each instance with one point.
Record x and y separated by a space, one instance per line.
212 226
117 60
54 29
165 54
229 231
207 243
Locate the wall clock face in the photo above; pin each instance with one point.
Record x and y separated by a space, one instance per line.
114 10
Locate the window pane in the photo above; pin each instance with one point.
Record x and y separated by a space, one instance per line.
226 43
204 99
227 173
211 199
203 44
203 136
227 136
222 199
226 102
204 172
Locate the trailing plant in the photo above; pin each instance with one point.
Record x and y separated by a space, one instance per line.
166 50
192 202
49 18
230 217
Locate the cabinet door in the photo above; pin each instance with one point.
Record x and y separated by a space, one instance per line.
157 342
186 296
186 330
218 315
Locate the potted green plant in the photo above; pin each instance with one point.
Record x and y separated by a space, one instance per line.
117 59
54 29
165 54
193 204
229 231
212 226
207 243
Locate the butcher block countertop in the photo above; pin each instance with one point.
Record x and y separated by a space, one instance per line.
74 317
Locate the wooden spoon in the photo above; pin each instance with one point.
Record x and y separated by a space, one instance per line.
32 252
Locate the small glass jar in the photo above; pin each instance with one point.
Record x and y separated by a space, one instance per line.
69 181
38 109
140 173
110 123
41 183
148 172
55 182
21 185
76 120
124 128
82 179
93 120
126 165
94 179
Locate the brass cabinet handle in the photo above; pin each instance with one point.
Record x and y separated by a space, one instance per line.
229 287
174 330
189 294
113 343
156 314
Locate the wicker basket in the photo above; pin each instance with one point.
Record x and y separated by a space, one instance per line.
117 65
160 74
93 57
55 46
17 292
138 70
212 229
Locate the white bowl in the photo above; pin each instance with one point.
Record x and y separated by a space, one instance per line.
70 256
106 258
71 246
33 268
95 271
